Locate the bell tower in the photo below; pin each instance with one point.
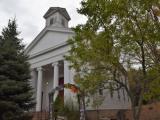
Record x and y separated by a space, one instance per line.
57 17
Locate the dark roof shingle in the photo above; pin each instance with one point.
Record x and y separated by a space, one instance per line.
53 10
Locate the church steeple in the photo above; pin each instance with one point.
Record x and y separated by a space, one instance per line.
57 16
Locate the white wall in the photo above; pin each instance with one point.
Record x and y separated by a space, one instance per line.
111 102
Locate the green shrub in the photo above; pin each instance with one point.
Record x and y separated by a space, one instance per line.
67 110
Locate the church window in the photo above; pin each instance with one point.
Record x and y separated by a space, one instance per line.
63 22
52 20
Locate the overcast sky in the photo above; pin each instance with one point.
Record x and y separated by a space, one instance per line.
29 14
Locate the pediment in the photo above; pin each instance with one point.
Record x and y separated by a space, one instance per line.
49 38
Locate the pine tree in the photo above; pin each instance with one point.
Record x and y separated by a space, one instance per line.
15 90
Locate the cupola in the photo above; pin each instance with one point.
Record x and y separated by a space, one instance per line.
57 17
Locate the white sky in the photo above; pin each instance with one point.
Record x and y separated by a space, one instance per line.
29 14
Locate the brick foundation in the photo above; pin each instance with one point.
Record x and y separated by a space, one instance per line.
149 112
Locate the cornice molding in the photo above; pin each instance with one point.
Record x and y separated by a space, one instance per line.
48 50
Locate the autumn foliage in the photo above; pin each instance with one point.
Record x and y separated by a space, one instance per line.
72 87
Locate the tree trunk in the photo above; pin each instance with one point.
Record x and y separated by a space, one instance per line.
134 113
136 109
84 105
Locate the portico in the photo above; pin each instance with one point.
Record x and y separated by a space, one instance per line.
48 77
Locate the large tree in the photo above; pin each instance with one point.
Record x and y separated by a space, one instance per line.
118 45
15 91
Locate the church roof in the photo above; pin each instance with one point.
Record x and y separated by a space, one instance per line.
53 10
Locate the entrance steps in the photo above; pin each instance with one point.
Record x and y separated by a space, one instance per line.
43 115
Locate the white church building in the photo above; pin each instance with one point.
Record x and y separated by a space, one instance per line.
50 69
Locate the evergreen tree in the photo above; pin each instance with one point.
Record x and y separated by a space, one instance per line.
15 90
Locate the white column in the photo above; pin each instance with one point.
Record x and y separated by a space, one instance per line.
55 74
39 89
66 72
55 78
33 81
67 92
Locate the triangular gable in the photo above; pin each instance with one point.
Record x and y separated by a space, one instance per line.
49 38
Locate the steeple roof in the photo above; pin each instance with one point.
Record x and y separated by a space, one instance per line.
53 10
